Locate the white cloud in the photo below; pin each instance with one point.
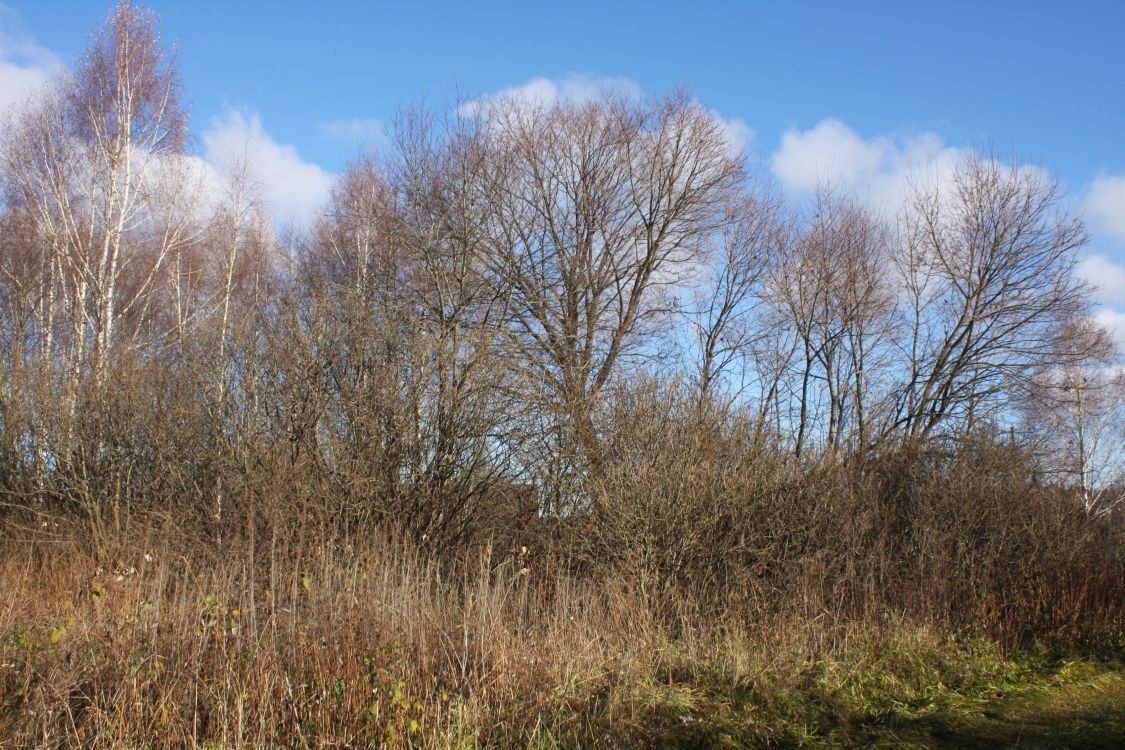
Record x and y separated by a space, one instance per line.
1107 275
737 132
580 88
356 132
577 87
831 151
295 189
1105 205
1105 210
24 66
881 168
1114 322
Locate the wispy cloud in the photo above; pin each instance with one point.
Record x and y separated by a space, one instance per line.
294 188
579 88
576 87
24 65
738 133
1114 322
879 168
1105 214
355 132
1106 274
1105 205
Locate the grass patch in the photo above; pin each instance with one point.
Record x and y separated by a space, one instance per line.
902 688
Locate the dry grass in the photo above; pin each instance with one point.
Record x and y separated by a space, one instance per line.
326 645
323 643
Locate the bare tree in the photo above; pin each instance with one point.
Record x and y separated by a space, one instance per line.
723 321
828 290
96 169
418 405
353 306
238 242
598 209
97 164
1075 414
466 414
987 265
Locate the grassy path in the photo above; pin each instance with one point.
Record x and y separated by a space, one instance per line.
901 699
1089 713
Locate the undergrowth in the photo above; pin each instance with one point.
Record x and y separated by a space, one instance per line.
374 646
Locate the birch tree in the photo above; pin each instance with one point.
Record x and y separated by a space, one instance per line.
1074 415
98 164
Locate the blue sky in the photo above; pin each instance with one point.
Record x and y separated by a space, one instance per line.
859 93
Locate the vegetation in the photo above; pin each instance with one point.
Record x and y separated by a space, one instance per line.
333 645
558 428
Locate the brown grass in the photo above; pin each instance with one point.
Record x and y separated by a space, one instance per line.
328 644
335 643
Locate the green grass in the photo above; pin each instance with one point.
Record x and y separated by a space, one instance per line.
1085 714
905 693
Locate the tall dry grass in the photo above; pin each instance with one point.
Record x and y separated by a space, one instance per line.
324 643
153 639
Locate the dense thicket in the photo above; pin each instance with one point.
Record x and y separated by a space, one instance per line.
580 326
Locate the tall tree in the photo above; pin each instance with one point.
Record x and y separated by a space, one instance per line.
1074 414
599 208
97 163
987 264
